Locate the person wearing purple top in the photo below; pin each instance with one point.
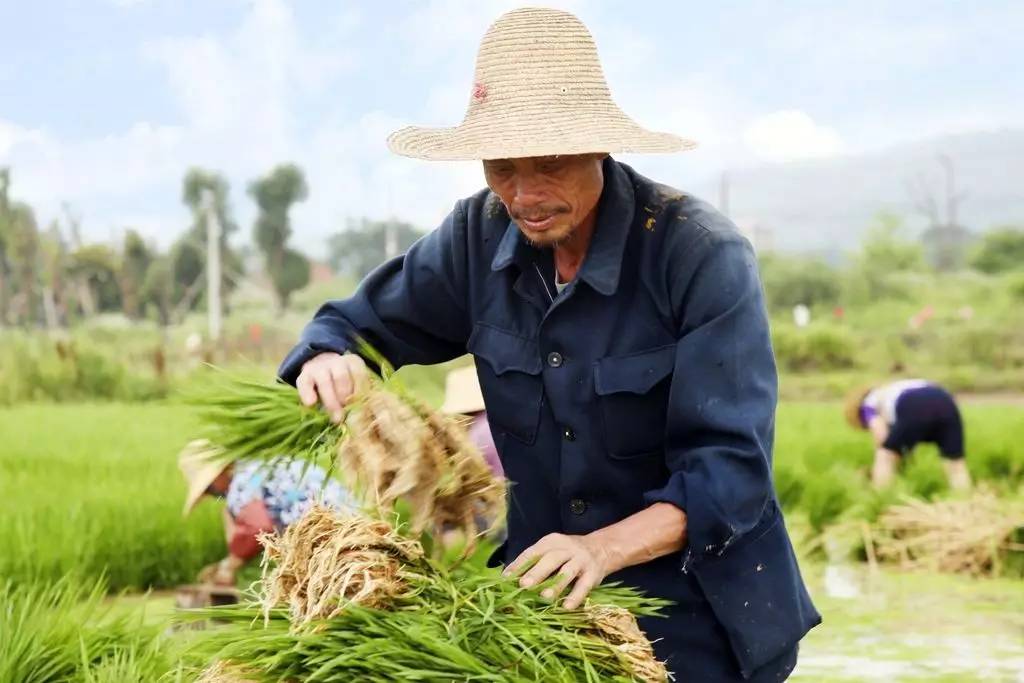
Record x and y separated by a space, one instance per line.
462 396
901 415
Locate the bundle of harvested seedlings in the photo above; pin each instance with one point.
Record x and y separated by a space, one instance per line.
442 623
390 448
400 450
324 562
966 535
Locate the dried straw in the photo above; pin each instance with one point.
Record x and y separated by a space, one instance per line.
396 448
967 535
325 561
619 628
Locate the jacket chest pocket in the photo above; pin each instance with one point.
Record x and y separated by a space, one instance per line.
509 368
633 393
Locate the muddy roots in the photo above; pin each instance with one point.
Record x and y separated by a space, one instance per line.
398 449
326 561
618 627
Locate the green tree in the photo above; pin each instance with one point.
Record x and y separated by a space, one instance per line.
274 195
98 265
363 245
885 253
887 249
5 230
197 181
158 287
1001 250
792 280
54 253
23 245
135 260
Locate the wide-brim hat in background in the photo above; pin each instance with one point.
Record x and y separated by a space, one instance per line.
851 405
462 395
200 465
538 90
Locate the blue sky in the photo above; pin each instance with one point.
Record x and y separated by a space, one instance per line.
105 103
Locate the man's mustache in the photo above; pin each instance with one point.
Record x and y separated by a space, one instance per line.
539 212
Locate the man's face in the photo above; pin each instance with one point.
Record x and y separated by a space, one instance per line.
547 197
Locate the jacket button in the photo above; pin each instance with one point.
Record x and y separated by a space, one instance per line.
555 359
577 506
568 434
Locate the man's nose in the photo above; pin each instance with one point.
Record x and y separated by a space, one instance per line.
529 190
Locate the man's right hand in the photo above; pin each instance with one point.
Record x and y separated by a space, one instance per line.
332 379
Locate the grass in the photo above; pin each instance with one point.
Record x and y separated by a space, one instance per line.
821 465
67 631
93 489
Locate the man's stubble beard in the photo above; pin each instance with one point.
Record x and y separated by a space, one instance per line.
562 241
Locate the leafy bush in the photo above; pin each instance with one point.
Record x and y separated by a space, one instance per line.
993 346
1016 288
789 281
818 347
37 368
1000 250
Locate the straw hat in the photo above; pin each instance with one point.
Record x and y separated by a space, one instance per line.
462 393
538 90
851 406
199 465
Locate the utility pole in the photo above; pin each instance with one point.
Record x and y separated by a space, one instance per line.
213 278
953 198
723 194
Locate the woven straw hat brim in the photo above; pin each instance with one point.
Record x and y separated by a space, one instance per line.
462 394
539 90
529 139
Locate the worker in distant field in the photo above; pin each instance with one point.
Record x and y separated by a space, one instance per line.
260 497
901 415
462 396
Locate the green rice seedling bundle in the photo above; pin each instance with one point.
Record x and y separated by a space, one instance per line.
351 598
67 631
390 448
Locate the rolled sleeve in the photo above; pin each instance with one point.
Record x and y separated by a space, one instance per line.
411 309
722 406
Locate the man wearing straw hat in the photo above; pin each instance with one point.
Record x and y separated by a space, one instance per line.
622 347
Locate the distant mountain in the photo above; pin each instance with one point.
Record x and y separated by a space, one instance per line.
826 205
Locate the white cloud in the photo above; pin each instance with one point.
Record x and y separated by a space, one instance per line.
790 135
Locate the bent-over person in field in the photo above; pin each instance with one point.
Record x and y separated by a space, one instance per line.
622 346
902 414
258 498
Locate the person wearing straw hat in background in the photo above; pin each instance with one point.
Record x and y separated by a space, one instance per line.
902 414
621 343
462 396
259 497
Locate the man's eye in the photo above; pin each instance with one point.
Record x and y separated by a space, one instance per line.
550 166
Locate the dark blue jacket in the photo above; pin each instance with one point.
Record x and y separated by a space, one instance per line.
649 378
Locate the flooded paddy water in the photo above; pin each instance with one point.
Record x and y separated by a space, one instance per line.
892 626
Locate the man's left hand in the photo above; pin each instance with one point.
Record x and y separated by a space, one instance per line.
577 560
